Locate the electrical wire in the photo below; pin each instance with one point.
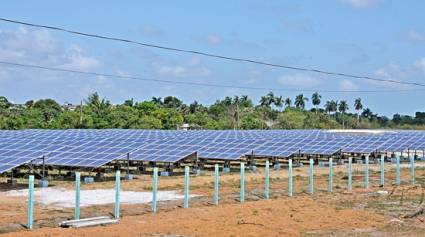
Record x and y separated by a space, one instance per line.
305 69
193 83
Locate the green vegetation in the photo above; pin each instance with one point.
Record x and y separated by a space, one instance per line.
239 112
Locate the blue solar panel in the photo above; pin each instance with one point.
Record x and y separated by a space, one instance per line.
93 148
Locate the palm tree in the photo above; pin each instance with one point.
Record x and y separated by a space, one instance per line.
264 101
278 101
300 101
99 107
367 113
343 106
334 106
315 99
157 100
328 107
358 106
288 102
228 101
267 100
331 106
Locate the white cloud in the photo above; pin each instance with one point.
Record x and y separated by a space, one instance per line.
347 85
420 64
41 48
299 80
415 36
298 25
393 72
75 59
213 39
358 3
190 68
151 31
253 76
209 39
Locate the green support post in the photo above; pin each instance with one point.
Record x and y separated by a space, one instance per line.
30 201
117 194
186 187
382 170
350 174
366 173
330 176
412 168
154 188
397 178
311 175
266 192
242 191
77 196
216 184
290 178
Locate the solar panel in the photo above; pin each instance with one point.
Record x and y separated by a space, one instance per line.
172 150
94 148
228 149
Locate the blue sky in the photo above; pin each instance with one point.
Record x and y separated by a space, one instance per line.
379 38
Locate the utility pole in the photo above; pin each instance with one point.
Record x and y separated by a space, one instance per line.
81 112
237 114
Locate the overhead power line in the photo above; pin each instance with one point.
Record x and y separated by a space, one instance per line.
192 83
305 69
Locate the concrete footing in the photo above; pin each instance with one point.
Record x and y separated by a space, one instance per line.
12 182
277 166
164 173
226 169
196 171
43 183
252 167
129 177
88 179
100 176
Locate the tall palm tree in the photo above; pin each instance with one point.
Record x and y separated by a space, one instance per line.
316 99
288 102
264 101
331 106
300 101
358 106
343 107
328 107
278 101
334 106
267 100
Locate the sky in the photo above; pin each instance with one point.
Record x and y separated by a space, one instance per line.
378 38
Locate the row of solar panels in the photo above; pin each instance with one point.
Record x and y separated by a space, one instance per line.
94 148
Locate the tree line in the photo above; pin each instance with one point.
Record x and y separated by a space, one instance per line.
237 112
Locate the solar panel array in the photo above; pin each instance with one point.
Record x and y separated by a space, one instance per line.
94 148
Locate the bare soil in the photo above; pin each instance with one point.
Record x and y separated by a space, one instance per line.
359 213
